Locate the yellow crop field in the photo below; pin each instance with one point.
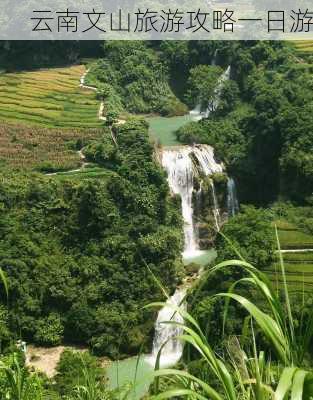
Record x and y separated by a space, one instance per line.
49 97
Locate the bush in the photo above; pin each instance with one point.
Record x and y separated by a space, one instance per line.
49 330
70 370
252 234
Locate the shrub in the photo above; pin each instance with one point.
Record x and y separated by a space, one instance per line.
49 330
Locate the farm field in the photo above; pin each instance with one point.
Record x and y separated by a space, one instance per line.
304 46
299 274
49 97
298 266
295 239
37 148
304 50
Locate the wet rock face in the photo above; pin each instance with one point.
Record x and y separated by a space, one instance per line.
210 205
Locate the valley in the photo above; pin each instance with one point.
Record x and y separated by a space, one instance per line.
141 189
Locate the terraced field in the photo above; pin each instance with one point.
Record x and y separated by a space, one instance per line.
299 274
304 47
48 150
295 239
50 97
298 265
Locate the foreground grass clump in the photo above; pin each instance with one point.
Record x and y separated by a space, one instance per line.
242 369
50 97
24 147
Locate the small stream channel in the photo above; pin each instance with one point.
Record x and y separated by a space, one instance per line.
178 161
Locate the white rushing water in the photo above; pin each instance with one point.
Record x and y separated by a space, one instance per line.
232 200
178 162
216 210
166 334
180 169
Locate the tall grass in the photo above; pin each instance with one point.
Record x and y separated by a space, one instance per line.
250 374
18 384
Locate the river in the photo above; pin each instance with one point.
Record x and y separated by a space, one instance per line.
178 161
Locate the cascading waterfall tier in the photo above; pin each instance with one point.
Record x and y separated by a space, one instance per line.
179 168
216 211
166 334
232 200
181 171
179 164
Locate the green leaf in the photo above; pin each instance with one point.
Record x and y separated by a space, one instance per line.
285 383
297 386
268 325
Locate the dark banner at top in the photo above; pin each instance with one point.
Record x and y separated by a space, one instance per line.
156 20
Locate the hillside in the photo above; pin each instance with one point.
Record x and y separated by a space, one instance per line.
48 97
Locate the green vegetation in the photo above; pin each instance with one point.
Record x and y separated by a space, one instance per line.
74 250
47 150
263 132
50 97
295 240
202 85
77 248
132 77
304 48
251 232
244 369
19 55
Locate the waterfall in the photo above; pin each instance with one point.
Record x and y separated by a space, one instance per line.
205 157
197 114
232 200
168 333
214 57
182 163
216 211
179 168
199 197
178 163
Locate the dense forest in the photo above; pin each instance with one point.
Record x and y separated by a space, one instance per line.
84 252
76 253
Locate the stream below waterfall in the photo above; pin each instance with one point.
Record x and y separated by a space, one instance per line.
179 163
181 172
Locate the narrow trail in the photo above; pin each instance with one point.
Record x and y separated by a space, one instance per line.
101 117
84 164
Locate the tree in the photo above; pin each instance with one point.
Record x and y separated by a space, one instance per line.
111 117
49 331
202 84
252 234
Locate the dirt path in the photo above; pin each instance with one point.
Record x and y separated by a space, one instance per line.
101 108
83 165
44 359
